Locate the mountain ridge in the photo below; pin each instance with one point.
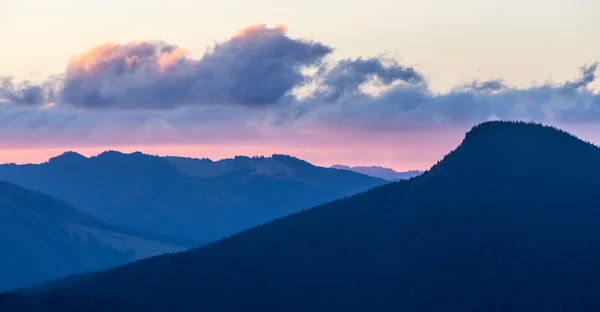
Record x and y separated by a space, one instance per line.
381 172
183 197
488 228
44 238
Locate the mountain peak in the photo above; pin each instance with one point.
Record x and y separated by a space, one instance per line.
342 167
515 131
113 153
500 149
505 222
290 160
68 156
380 172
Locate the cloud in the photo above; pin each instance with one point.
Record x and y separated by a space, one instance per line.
348 75
412 106
256 67
245 87
484 86
24 93
259 65
134 75
588 75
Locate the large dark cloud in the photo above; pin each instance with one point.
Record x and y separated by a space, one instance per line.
257 67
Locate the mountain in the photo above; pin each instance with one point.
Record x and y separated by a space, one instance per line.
195 198
381 172
509 221
42 238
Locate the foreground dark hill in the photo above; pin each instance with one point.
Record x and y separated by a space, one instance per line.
194 198
42 238
509 221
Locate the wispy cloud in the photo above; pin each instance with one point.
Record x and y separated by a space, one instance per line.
23 93
415 106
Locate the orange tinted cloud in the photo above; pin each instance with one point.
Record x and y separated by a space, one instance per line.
257 67
131 56
278 29
166 60
89 60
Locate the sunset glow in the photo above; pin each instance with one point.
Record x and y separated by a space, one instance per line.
382 90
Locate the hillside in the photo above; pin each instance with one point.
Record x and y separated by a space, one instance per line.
42 238
381 172
195 198
509 221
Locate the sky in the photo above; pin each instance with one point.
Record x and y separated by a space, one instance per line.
379 82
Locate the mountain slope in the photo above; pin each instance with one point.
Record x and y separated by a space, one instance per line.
509 221
195 198
380 172
42 238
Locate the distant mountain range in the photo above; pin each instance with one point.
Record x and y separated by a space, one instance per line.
43 238
509 221
197 199
381 172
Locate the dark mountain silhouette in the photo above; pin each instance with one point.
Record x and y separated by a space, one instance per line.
195 198
509 221
381 172
42 238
